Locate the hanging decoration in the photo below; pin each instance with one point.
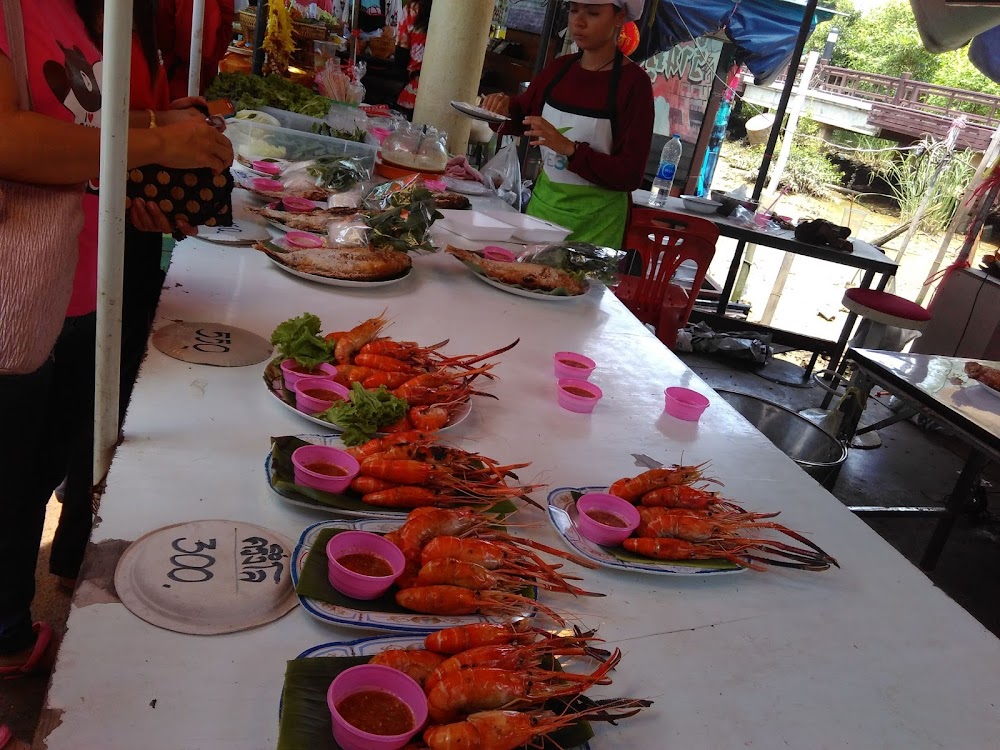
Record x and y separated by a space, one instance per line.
628 39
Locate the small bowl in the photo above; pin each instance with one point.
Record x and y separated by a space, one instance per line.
267 167
497 253
297 205
358 585
436 186
374 677
310 455
307 394
569 395
303 239
267 185
580 371
292 372
700 205
684 403
602 533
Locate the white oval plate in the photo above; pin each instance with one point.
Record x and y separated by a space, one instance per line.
344 283
993 392
562 513
526 293
333 440
478 113
353 618
363 646
460 416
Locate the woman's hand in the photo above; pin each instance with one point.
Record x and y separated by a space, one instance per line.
544 133
192 144
496 103
146 216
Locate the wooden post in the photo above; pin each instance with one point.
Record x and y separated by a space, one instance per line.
779 285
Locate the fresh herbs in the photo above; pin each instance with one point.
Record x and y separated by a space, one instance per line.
357 135
254 92
365 413
299 339
402 219
582 260
338 173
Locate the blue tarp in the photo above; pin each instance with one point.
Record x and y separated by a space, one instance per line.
764 31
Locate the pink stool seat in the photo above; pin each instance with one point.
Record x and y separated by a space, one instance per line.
889 309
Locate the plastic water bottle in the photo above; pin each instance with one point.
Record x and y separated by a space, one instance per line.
670 157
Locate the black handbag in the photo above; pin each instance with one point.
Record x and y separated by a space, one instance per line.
196 196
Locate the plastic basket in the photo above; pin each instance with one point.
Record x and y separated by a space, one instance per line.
254 140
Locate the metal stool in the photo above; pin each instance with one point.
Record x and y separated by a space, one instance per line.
879 311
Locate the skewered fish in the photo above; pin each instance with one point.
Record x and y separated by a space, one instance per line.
349 263
527 275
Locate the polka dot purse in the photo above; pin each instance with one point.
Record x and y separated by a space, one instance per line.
196 196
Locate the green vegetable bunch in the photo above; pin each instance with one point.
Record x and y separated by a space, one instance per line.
580 259
338 172
299 339
365 413
254 92
404 219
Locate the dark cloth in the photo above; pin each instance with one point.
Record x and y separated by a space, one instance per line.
624 168
143 281
29 418
372 16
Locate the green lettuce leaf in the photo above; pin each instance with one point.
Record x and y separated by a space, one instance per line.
299 339
361 417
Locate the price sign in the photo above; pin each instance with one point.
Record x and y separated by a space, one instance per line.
207 577
215 344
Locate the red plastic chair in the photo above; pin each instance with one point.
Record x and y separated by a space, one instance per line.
663 241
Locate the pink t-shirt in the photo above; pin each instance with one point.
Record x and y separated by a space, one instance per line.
64 77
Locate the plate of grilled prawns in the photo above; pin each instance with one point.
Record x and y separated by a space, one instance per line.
686 529
488 686
462 567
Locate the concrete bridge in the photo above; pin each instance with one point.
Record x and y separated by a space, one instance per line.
898 109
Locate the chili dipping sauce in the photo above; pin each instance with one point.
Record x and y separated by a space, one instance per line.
376 712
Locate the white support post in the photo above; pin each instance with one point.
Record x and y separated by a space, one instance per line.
197 45
794 110
776 290
111 228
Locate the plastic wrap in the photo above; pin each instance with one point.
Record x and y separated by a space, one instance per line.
403 212
335 173
583 260
351 231
418 147
503 174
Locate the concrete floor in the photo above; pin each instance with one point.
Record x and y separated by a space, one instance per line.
913 467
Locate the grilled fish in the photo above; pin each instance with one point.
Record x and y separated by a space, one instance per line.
349 263
315 221
527 275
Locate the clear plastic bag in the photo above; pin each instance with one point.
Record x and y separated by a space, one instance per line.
418 147
335 173
342 83
503 174
352 231
583 260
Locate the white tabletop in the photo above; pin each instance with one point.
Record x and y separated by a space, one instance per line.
868 656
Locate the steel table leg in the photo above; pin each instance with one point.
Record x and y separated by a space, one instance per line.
957 501
836 362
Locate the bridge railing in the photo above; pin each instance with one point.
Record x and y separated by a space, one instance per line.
902 91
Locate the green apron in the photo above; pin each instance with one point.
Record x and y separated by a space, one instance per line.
595 214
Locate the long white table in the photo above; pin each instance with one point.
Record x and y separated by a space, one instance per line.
868 656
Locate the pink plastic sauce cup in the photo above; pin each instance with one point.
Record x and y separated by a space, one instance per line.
437 186
602 533
297 205
569 391
684 403
310 455
292 372
572 366
502 254
267 184
358 585
310 403
380 134
303 240
366 677
267 167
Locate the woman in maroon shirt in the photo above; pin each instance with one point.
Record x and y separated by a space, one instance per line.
592 115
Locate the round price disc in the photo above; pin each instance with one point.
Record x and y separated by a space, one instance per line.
216 344
207 577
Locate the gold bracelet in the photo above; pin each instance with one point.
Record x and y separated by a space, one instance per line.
152 118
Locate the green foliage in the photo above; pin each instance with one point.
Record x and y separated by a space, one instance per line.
817 40
912 177
808 170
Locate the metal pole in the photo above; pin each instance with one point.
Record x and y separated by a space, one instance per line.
793 121
546 38
786 94
197 42
259 32
111 228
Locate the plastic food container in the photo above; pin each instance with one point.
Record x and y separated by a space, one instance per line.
303 239
530 228
572 366
497 253
475 225
358 585
366 677
306 390
267 184
297 205
578 395
267 167
312 455
598 503
684 403
292 372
